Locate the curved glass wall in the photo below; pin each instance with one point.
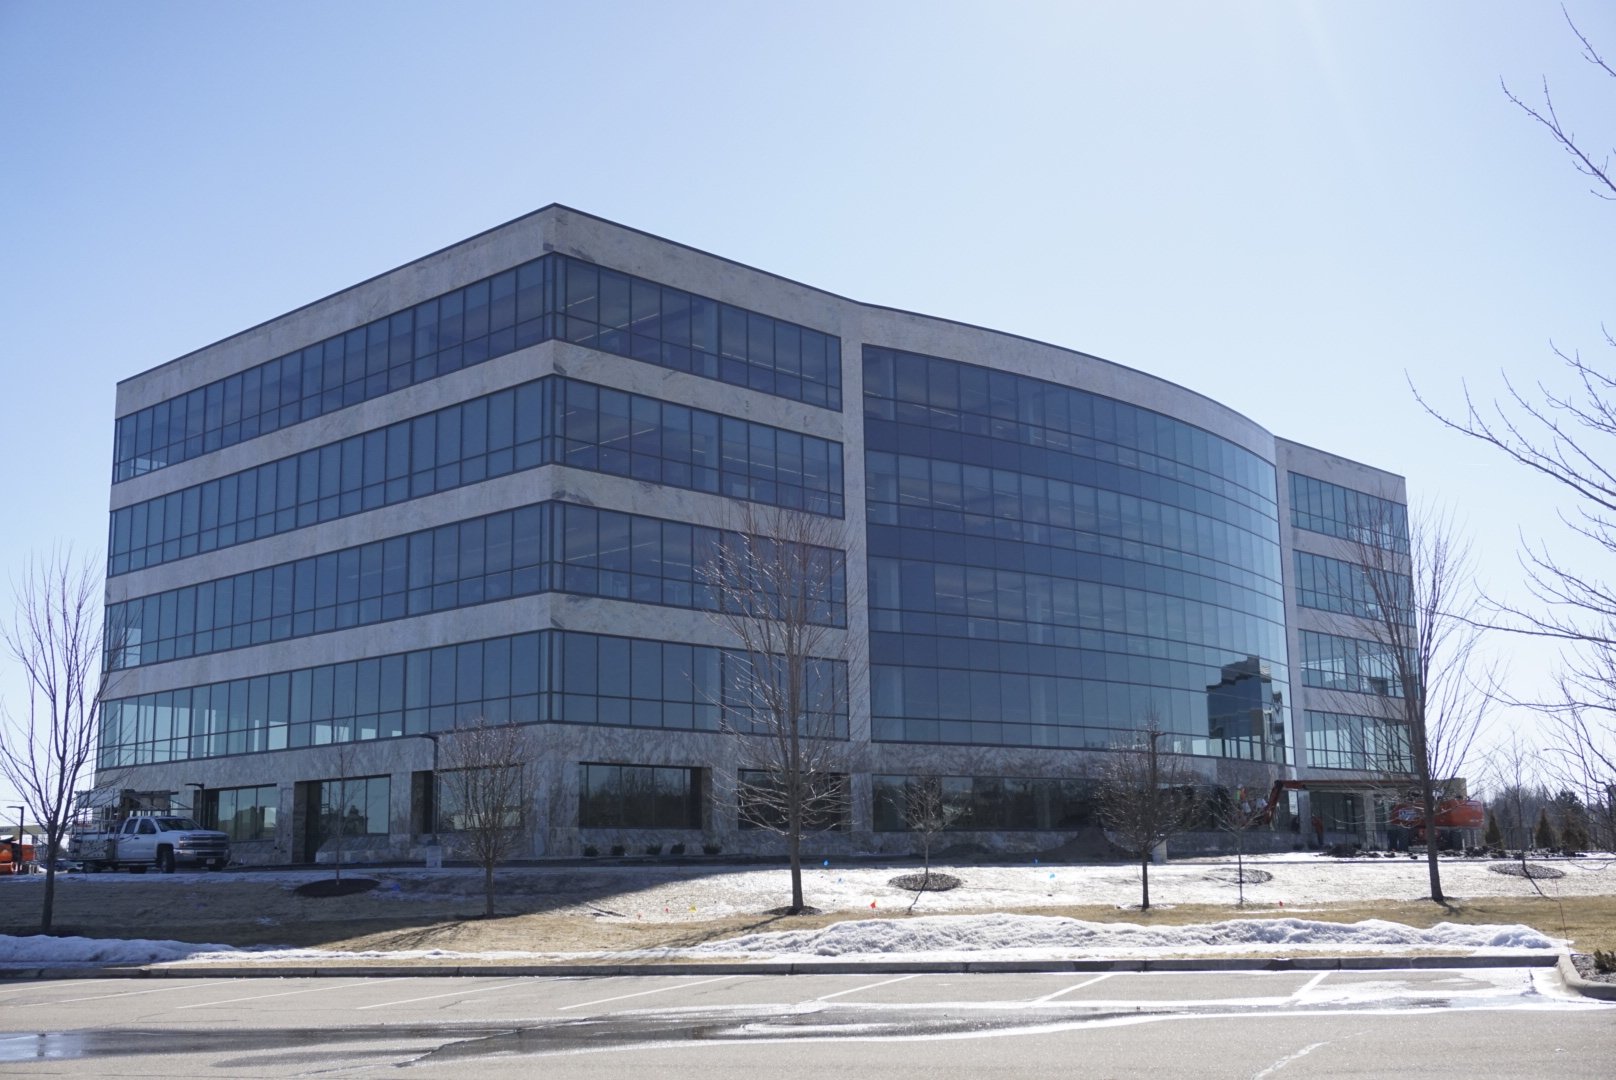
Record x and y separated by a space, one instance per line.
1050 567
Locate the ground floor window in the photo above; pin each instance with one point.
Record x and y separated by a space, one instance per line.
638 797
996 803
357 805
244 813
473 797
762 803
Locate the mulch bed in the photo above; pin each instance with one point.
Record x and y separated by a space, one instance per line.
1528 870
919 882
334 887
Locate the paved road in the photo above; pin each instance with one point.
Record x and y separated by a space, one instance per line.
1456 1024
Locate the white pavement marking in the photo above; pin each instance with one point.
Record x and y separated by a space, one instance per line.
870 986
126 993
658 990
1310 984
1303 1052
1069 989
434 997
289 993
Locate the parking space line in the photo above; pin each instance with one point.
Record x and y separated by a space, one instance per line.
870 986
1310 984
658 990
124 994
434 997
1069 989
289 993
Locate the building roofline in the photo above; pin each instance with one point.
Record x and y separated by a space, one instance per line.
555 206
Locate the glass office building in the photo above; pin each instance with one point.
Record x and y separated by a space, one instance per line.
485 484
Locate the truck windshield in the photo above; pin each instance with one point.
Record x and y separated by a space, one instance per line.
177 824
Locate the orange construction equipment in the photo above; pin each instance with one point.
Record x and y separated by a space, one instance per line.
1450 814
16 857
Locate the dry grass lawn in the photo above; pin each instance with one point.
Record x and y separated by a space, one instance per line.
213 912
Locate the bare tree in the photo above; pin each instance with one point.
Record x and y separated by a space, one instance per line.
48 742
1512 778
1562 434
1237 813
1147 797
1582 759
931 806
485 797
335 813
1418 609
779 585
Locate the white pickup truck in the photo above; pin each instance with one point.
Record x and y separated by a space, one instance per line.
163 841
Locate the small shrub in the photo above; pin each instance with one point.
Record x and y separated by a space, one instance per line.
677 849
1605 961
619 850
591 850
653 849
710 849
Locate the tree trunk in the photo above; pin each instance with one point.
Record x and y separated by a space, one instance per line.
50 895
794 845
1144 881
1431 842
488 891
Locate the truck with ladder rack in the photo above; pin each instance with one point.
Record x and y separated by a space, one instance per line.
135 830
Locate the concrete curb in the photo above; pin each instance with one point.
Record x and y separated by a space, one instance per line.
812 967
1600 991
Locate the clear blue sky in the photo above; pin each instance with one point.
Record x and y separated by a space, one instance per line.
1291 207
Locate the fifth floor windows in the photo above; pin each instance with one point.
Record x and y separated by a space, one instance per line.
550 421
551 298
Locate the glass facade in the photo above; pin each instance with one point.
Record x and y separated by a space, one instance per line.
550 421
828 806
992 803
1353 741
638 797
546 547
547 676
354 806
1356 665
1049 567
551 297
1342 587
1322 507
243 813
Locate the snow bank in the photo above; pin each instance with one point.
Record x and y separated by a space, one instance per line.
44 951
1040 936
942 937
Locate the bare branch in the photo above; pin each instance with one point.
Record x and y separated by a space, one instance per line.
50 737
780 585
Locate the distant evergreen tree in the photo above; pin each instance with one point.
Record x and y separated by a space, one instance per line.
1494 837
1546 839
1573 817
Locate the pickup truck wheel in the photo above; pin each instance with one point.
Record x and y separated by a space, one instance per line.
165 860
